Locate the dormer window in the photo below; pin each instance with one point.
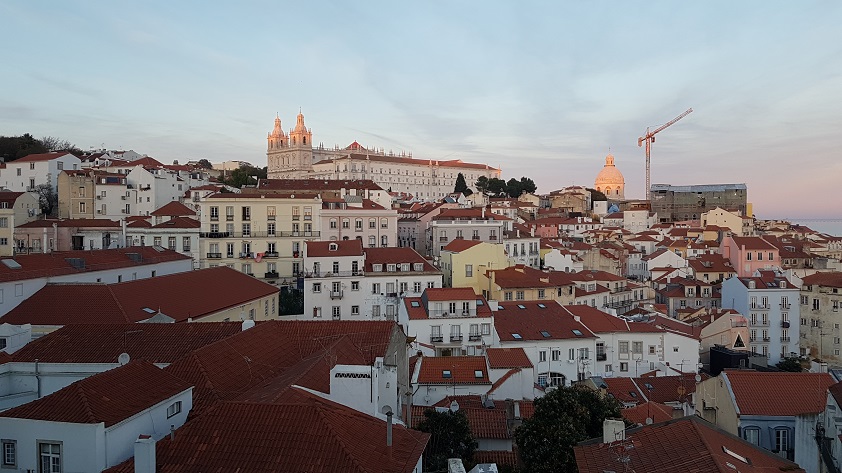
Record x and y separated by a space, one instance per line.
404 267
391 268
418 267
333 247
377 267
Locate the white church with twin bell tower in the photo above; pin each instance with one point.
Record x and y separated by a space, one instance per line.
293 156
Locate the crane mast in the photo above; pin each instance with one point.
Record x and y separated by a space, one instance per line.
649 138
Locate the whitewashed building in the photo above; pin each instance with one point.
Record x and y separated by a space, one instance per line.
26 173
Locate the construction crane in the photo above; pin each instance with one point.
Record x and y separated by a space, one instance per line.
649 138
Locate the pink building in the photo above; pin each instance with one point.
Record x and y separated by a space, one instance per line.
748 254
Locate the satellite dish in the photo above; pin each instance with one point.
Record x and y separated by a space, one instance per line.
649 421
454 406
123 359
698 378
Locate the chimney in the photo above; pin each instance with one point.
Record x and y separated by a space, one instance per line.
144 454
613 431
247 324
389 429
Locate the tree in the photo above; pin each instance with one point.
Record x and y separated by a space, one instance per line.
57 144
513 188
47 198
14 147
597 196
496 187
245 175
481 184
461 185
291 301
205 164
790 364
564 417
527 185
450 437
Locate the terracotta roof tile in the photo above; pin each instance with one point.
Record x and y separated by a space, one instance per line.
109 397
179 222
831 279
752 243
315 185
795 393
386 256
640 413
72 223
703 448
320 249
505 358
41 157
500 457
460 244
453 370
103 343
450 294
533 322
173 209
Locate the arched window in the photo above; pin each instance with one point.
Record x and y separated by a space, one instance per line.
372 241
333 223
305 140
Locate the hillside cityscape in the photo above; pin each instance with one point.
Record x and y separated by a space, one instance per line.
432 314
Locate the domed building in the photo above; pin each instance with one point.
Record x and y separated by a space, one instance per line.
610 180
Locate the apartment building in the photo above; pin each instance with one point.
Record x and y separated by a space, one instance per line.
448 321
16 208
676 203
259 234
821 315
750 254
464 262
352 217
519 283
92 193
609 292
26 173
474 224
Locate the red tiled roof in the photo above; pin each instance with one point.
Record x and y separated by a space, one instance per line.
386 256
640 413
145 161
488 423
831 279
226 369
302 432
520 276
139 223
463 370
595 275
320 249
795 393
103 343
500 457
315 185
455 163
72 223
533 321
505 358
752 243
703 448
9 197
109 397
173 295
450 294
179 222
460 244
41 157
173 209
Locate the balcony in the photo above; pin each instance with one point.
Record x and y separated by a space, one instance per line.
475 237
271 275
436 339
229 218
442 238
214 255
601 357
336 294
785 305
296 217
474 337
270 254
214 218
455 338
785 324
766 339
785 339
215 234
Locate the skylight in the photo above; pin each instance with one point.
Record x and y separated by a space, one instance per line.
415 304
478 374
632 394
545 334
577 332
148 310
542 306
11 264
446 374
649 386
516 336
521 306
479 302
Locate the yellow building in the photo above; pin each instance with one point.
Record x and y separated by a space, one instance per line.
738 224
522 283
16 208
259 234
463 262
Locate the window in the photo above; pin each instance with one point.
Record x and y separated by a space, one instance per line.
355 310
507 295
82 207
651 349
752 436
571 354
10 453
637 348
358 224
416 287
624 366
540 293
171 243
337 312
317 312
19 290
173 409
346 223
355 285
542 356
317 287
4 222
486 329
816 305
469 269
624 348
781 440
372 223
49 457
519 295
333 223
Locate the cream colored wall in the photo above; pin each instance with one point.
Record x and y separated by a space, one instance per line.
723 218
483 257
241 312
714 393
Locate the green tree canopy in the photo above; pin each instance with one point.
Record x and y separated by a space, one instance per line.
450 437
204 163
14 147
527 185
562 418
461 185
245 176
790 364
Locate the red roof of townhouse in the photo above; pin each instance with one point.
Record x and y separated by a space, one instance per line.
450 370
596 275
108 397
58 263
41 157
9 198
179 222
538 320
704 447
485 423
300 432
397 256
173 209
752 243
710 263
831 279
321 249
450 294
794 393
521 276
507 358
103 343
227 369
139 223
641 414
460 244
145 161
72 223
315 185
181 296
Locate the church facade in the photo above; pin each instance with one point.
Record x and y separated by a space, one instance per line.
293 156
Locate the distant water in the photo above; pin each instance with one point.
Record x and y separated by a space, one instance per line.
833 228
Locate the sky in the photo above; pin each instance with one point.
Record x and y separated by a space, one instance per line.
541 89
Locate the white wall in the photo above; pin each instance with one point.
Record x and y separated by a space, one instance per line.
82 445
